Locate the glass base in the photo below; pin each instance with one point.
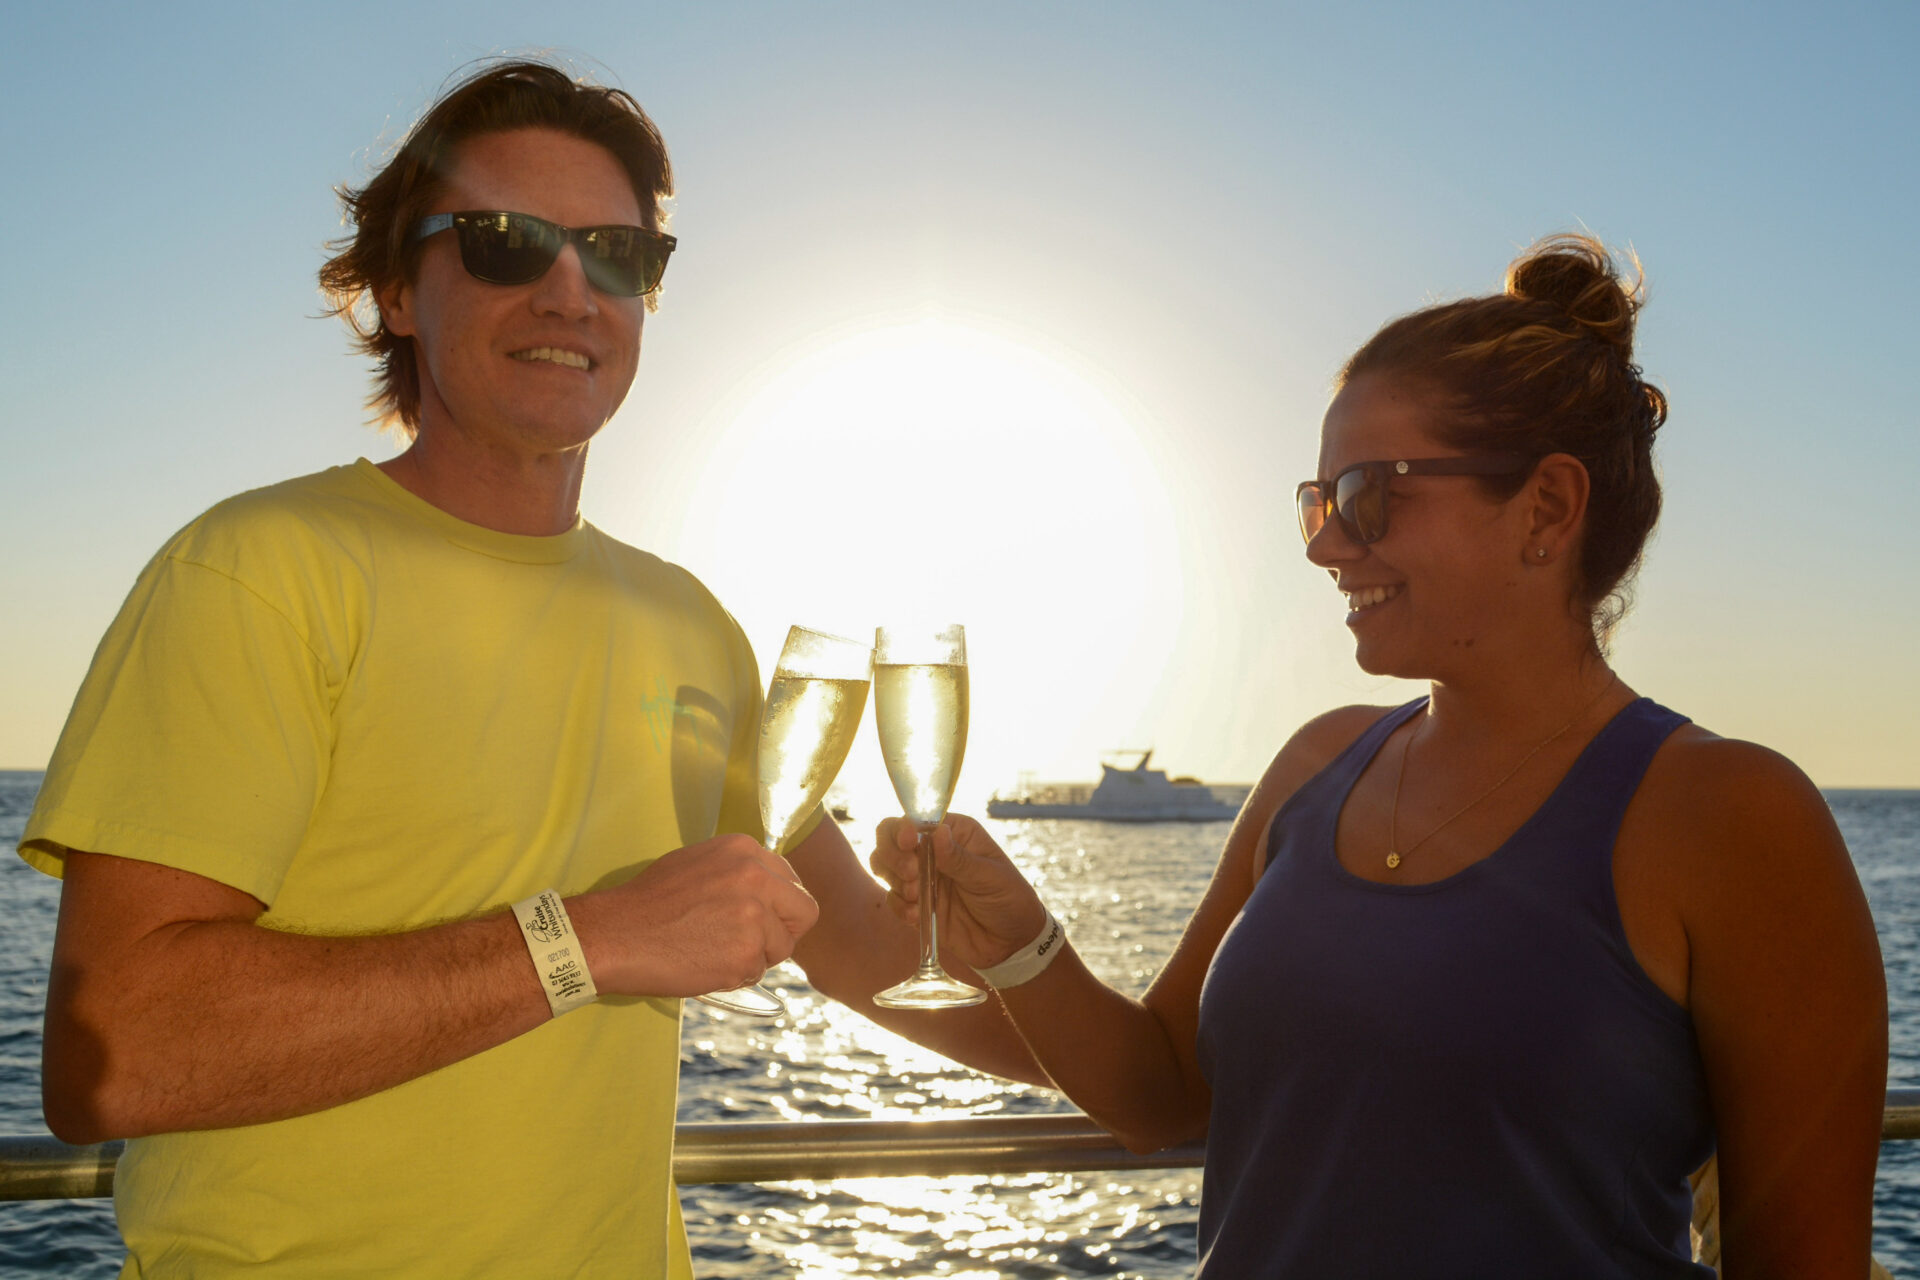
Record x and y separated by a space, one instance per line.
755 1001
930 991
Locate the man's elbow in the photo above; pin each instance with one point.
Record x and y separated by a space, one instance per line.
74 1116
79 1098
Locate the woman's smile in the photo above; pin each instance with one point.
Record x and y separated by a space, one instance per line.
1363 602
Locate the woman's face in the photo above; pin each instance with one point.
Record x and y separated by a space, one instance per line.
1439 591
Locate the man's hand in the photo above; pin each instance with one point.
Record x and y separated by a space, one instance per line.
710 917
987 910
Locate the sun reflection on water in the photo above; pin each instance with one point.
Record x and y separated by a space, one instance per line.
1129 897
1031 1225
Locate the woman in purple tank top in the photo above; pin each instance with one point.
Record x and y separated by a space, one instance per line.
1481 979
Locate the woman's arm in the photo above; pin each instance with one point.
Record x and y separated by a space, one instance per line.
858 948
1130 1064
1788 997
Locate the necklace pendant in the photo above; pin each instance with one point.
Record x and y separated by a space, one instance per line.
1393 860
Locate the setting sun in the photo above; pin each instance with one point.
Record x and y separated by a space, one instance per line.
937 471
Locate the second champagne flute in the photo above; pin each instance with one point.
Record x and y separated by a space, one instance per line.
920 705
812 712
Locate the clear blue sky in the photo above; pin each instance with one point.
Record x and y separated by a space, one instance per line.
1191 217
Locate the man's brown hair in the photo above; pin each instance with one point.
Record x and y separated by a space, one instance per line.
380 251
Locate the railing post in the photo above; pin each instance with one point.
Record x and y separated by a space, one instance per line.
42 1167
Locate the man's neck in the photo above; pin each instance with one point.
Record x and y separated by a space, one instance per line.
495 488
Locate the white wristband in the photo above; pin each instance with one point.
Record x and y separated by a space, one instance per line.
558 957
1025 964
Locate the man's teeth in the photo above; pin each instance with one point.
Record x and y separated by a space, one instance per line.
1368 596
572 359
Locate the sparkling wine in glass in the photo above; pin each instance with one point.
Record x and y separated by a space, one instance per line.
812 712
920 704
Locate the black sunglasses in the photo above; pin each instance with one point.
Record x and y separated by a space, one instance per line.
517 248
1357 497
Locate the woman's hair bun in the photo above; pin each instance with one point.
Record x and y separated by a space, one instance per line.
1576 274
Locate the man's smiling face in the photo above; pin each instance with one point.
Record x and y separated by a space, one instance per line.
534 368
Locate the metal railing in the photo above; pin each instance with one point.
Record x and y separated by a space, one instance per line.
44 1168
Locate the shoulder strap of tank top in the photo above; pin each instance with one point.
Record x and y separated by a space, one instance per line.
1353 762
1345 769
1326 791
1592 799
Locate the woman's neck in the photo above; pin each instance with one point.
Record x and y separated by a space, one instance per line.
1520 702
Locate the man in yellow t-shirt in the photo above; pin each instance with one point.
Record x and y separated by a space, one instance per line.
343 723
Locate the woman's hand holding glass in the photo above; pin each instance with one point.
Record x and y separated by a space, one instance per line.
986 909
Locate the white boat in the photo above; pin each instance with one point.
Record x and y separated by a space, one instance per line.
1135 794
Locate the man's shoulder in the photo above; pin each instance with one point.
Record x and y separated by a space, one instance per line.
657 576
311 547
681 611
300 510
625 558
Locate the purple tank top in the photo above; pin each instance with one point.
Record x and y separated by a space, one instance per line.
1472 1079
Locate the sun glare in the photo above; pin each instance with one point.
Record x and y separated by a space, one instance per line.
932 471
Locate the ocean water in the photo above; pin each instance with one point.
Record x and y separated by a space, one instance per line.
1126 892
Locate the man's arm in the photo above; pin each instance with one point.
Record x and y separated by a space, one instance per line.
169 1008
860 947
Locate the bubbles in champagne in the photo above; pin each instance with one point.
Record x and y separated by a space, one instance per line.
805 734
922 714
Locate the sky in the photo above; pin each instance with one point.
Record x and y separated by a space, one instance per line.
1023 316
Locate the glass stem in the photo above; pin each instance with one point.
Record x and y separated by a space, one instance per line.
929 916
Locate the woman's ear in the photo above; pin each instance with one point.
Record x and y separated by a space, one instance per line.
1557 492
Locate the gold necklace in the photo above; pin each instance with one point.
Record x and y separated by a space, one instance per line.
1394 857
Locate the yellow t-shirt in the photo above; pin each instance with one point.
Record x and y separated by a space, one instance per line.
373 716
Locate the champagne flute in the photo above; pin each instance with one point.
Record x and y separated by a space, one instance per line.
920 705
812 712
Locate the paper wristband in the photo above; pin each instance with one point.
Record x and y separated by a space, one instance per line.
1025 964
558 957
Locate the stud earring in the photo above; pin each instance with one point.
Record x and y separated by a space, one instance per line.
1541 552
